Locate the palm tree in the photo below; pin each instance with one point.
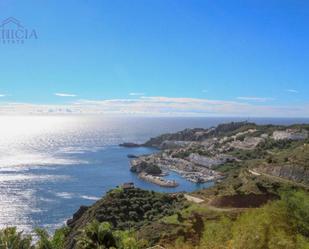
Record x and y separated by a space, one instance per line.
51 242
97 235
11 239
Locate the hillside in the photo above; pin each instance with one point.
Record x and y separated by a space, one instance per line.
125 208
201 155
255 165
260 199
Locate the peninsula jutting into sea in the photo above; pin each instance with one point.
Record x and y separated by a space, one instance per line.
195 154
261 173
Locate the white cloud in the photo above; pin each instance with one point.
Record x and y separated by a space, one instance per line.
161 106
136 94
65 95
2 95
255 99
291 91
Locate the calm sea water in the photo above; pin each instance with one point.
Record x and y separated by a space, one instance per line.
50 165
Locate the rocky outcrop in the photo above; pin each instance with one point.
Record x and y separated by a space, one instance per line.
249 143
78 214
130 145
139 165
290 134
294 173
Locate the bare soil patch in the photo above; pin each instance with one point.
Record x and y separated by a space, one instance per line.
242 201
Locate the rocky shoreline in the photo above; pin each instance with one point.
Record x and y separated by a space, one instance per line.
188 170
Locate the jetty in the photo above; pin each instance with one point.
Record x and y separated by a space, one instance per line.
158 180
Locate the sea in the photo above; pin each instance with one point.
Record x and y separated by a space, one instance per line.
51 165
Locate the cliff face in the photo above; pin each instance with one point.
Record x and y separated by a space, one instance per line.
290 163
291 134
299 174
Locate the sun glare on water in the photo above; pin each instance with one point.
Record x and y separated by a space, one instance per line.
12 126
24 139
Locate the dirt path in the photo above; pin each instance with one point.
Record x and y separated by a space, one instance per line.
193 199
254 172
208 205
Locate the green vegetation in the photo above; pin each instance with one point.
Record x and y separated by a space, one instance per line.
100 235
296 156
153 169
183 153
51 242
149 168
134 207
279 224
127 209
233 128
11 239
94 236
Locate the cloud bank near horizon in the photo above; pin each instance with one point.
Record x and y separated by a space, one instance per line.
159 106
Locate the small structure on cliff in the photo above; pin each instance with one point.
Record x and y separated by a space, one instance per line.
128 185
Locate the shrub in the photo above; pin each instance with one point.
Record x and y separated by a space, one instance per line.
51 242
11 239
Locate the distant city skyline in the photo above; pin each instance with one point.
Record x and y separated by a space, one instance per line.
157 57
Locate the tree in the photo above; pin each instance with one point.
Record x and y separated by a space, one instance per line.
51 242
100 236
11 239
125 240
96 236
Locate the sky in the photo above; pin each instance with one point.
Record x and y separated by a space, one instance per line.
157 57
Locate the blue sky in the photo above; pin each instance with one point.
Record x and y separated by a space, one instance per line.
160 57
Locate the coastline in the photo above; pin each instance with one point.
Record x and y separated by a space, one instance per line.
189 171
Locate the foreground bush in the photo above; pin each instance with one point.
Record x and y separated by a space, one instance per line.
94 236
51 242
98 235
11 239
